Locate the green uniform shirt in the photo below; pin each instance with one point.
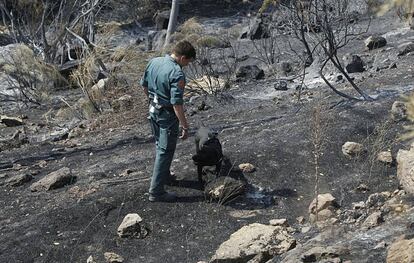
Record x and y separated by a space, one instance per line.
161 77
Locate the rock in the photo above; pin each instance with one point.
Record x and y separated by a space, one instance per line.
124 103
11 121
224 188
249 72
405 49
305 229
300 219
162 19
54 180
281 85
76 132
131 226
285 67
324 201
362 188
111 257
247 167
316 254
373 220
90 260
155 40
19 179
279 222
374 42
401 251
253 240
399 111
358 205
377 199
405 169
355 65
351 149
385 157
321 216
257 30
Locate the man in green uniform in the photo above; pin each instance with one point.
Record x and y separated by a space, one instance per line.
164 83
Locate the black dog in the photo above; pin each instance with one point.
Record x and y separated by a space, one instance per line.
208 151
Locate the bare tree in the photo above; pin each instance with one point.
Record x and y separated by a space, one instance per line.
172 23
323 27
45 25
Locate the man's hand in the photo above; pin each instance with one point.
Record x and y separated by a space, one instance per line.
184 134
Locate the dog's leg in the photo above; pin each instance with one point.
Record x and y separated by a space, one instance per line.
200 176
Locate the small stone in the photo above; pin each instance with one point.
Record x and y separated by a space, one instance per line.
305 229
381 245
359 205
247 168
113 258
281 85
373 220
279 222
352 149
18 180
54 180
374 42
363 188
385 157
300 219
11 121
130 226
90 260
399 111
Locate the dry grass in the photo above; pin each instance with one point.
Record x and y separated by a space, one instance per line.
31 78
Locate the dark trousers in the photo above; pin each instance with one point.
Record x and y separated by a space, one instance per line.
165 126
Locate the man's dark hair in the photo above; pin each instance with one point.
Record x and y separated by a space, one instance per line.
184 48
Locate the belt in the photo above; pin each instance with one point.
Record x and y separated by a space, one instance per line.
159 106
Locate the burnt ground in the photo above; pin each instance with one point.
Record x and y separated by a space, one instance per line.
256 124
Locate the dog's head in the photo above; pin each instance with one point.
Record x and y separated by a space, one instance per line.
209 151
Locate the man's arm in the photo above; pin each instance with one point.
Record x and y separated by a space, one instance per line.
179 112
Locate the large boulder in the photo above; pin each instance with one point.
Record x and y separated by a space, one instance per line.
249 72
401 251
253 240
258 29
355 64
54 180
322 208
374 42
405 169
